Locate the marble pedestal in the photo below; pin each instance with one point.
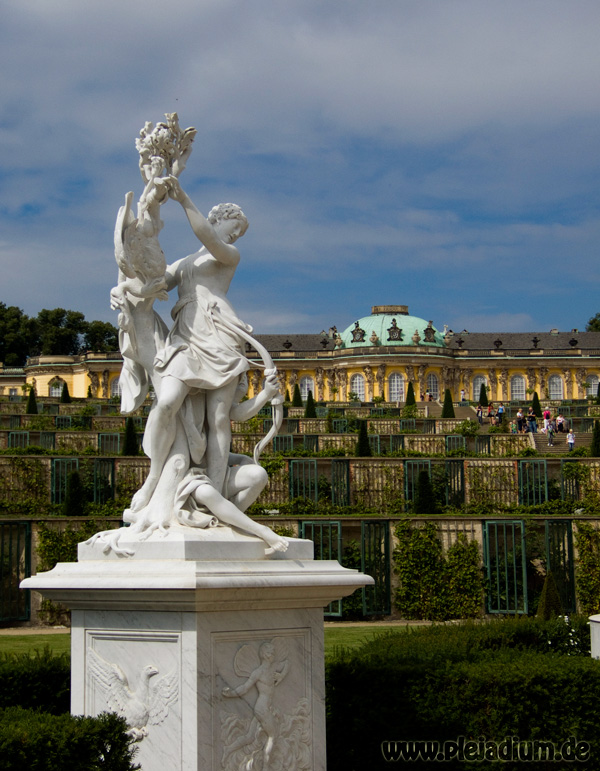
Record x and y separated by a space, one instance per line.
211 650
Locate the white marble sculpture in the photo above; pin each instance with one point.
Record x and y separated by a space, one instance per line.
197 368
146 704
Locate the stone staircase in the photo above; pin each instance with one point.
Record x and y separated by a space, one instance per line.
560 443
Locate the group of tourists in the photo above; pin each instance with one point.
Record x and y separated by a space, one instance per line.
494 416
527 423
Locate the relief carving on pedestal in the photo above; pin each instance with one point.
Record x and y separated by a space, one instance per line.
259 735
142 706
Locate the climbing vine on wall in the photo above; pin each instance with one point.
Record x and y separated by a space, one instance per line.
434 585
587 542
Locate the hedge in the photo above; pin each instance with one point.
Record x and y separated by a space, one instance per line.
529 679
37 681
38 733
39 741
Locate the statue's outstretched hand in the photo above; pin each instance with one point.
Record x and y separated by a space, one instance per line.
175 189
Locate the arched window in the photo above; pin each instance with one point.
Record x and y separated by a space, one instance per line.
433 386
517 388
478 381
592 385
555 387
56 388
306 384
396 387
115 387
357 385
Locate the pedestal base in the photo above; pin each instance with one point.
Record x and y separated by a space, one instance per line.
215 664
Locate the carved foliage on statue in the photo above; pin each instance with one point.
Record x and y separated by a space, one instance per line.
531 378
493 378
293 378
142 704
358 334
260 733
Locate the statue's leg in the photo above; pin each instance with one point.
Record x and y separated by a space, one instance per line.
218 408
245 483
162 436
229 514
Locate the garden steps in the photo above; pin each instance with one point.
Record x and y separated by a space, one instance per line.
560 443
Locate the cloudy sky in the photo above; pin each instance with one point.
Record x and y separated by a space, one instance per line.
438 153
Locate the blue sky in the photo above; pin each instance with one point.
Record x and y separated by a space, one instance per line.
442 154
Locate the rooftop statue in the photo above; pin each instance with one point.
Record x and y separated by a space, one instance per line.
197 368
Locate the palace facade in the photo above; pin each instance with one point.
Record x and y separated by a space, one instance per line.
375 358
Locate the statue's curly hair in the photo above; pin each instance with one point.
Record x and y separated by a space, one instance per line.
228 211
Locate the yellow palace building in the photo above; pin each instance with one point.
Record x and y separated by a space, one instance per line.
375 358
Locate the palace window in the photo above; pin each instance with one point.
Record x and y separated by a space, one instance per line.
56 388
306 384
115 387
555 387
592 385
517 388
478 381
433 386
396 387
357 385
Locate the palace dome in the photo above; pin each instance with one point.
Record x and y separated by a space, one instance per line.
391 325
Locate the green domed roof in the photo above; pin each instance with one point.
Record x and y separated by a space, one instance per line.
391 325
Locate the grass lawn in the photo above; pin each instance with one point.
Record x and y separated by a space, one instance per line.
335 637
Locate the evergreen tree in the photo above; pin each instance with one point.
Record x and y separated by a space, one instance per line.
130 442
74 502
424 502
410 396
448 408
363 446
297 400
287 395
550 605
483 400
310 410
535 403
595 445
32 408
65 397
598 394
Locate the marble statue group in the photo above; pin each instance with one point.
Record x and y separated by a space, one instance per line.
197 368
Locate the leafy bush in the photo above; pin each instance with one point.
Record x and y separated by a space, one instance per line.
39 741
35 681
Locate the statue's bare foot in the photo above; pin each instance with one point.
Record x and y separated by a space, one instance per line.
275 543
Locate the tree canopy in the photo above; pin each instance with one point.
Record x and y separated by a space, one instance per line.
51 332
593 324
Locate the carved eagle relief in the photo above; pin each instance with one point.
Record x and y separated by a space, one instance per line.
146 704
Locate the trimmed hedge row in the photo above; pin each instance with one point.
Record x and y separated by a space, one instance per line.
37 681
39 741
483 683
38 733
